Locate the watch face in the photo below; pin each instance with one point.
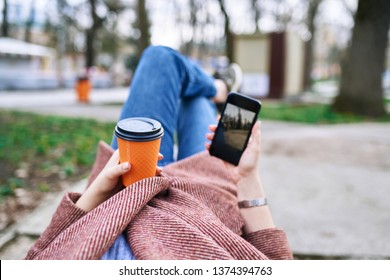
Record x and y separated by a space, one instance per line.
253 203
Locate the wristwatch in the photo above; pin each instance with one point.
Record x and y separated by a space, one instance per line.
252 203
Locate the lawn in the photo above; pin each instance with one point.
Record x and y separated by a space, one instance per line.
37 152
311 114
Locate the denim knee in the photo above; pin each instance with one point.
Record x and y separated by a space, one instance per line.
159 53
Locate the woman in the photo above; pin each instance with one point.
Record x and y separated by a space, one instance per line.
190 210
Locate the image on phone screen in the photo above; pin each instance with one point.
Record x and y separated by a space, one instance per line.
234 128
237 122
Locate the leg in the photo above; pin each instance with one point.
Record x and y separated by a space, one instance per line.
194 117
162 78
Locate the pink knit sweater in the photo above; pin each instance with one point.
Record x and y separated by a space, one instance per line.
188 213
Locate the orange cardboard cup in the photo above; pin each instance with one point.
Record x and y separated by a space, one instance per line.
139 142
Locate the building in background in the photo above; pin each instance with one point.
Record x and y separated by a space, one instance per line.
30 66
273 63
26 66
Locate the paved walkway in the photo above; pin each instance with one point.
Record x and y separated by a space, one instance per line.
328 185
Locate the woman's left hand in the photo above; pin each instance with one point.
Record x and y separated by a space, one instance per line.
249 162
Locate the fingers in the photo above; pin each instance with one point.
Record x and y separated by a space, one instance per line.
254 141
116 171
212 127
158 171
210 136
256 133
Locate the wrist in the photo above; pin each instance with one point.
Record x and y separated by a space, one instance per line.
90 199
250 187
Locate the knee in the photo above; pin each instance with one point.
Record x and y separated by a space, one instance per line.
158 53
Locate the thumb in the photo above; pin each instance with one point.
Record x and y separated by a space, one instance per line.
117 170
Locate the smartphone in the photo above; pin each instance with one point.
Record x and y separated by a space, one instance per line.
234 128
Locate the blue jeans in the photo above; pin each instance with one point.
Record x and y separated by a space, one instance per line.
171 89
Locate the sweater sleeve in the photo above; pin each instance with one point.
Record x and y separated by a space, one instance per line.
65 215
271 242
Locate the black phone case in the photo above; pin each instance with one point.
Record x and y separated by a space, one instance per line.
219 147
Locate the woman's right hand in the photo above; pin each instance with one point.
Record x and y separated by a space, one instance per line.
106 183
247 178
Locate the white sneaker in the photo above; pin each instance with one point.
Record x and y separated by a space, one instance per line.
231 75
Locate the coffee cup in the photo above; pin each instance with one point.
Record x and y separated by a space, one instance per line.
139 142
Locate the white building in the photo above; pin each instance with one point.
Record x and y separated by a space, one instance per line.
26 66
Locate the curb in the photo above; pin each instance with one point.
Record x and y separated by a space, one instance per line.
36 222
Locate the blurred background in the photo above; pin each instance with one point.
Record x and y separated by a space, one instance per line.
285 47
320 67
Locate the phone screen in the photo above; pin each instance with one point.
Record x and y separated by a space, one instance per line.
237 123
234 128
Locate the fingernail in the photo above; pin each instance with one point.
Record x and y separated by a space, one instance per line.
126 166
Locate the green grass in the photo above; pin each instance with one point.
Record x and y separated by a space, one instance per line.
47 147
311 114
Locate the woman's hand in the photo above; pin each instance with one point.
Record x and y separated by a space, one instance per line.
247 178
249 162
106 183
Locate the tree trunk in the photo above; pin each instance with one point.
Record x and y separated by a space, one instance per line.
97 22
193 22
90 49
256 14
5 25
361 81
228 34
30 23
309 46
143 21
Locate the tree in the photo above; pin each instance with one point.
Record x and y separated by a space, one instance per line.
91 33
194 8
228 33
5 25
143 26
201 23
256 13
309 45
361 79
142 40
30 23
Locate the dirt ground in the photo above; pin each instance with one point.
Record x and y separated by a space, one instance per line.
338 151
24 200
